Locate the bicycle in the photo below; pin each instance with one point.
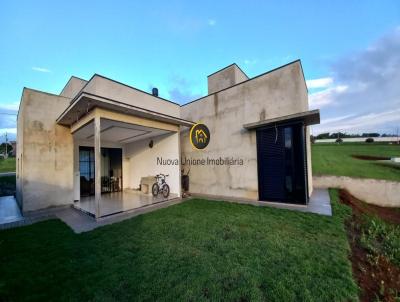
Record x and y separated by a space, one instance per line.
160 186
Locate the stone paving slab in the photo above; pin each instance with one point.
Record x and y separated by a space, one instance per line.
319 203
9 210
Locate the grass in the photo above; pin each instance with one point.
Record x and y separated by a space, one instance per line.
7 165
381 238
335 159
199 250
7 185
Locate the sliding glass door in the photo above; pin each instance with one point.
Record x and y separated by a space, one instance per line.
111 170
86 169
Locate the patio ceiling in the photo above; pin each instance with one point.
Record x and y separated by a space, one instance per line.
118 132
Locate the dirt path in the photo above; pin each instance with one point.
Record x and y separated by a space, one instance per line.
376 276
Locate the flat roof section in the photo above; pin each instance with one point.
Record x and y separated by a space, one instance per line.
87 101
310 117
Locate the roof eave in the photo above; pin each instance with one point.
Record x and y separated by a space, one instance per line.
311 117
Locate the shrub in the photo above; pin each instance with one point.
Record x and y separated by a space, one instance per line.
339 140
369 140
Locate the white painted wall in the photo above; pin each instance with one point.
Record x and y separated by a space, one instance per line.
141 160
379 192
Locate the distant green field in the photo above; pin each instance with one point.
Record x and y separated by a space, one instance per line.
336 159
7 165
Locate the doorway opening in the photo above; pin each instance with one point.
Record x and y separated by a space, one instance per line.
282 163
111 170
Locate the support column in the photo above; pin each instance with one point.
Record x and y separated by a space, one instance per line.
77 186
97 166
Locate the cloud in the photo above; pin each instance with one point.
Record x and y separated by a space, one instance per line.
370 122
182 90
366 85
8 120
250 62
326 97
211 22
319 83
41 69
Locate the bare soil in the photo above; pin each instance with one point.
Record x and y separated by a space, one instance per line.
391 215
377 277
370 157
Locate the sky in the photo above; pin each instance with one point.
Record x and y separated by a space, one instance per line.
350 50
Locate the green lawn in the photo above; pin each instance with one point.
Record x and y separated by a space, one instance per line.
7 165
195 251
7 185
335 159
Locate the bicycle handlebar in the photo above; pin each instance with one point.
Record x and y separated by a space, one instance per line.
160 175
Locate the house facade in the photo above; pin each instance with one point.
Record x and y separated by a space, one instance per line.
99 144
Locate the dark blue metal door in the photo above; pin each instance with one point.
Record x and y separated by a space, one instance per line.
271 164
281 164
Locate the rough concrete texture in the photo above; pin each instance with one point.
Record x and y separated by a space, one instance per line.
45 152
225 78
374 191
73 86
278 93
122 93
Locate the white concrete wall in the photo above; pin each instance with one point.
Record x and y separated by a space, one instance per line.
72 88
19 161
271 95
121 93
374 191
225 78
46 177
141 161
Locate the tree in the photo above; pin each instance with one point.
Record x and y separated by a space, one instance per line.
323 135
3 148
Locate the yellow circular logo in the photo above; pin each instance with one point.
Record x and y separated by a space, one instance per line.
199 136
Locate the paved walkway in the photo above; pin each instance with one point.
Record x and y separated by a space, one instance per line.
81 222
7 174
77 220
319 203
9 210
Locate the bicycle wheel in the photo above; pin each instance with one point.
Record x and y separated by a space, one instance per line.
165 191
155 189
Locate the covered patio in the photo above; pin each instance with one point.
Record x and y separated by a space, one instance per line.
115 151
118 202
